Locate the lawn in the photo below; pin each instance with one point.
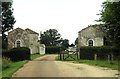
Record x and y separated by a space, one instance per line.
14 66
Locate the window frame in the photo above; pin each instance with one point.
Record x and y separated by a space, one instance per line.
88 42
16 43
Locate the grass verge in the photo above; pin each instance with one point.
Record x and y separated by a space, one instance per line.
101 63
33 56
14 66
0 67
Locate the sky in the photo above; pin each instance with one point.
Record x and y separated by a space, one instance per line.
66 16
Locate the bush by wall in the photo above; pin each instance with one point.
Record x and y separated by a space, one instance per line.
6 53
116 53
102 52
87 52
52 49
17 54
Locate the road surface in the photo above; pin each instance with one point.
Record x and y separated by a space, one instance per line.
46 66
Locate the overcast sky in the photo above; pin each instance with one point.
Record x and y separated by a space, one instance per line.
67 16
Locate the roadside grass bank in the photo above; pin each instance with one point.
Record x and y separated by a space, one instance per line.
13 67
0 67
9 67
34 56
102 63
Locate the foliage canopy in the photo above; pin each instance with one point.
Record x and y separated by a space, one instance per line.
110 16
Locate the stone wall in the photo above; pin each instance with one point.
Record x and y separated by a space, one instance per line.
26 40
13 36
34 44
90 33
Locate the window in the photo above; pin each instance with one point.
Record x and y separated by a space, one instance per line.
90 42
18 43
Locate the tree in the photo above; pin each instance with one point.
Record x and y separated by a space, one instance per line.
72 45
65 43
76 41
8 21
4 41
50 37
110 16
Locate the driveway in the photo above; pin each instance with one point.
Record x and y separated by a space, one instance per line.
46 66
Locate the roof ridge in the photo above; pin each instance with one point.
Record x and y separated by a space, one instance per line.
88 27
30 31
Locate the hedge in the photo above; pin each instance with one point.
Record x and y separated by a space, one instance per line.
87 52
102 52
6 53
52 49
17 54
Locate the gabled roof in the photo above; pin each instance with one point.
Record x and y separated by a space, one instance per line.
17 29
94 26
30 31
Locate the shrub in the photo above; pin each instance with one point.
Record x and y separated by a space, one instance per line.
116 52
102 52
87 52
6 53
52 49
17 54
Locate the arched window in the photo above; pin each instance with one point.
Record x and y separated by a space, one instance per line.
17 43
90 42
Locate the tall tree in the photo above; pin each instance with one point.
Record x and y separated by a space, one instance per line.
71 45
76 41
8 21
50 37
110 16
65 43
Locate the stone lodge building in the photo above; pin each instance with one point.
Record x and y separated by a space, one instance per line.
25 38
91 36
